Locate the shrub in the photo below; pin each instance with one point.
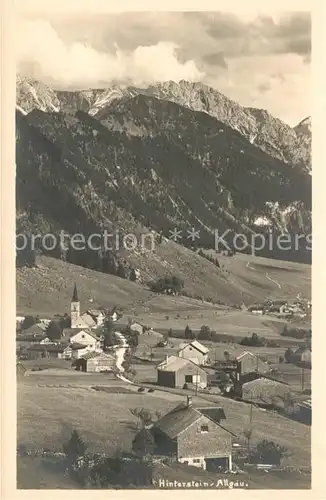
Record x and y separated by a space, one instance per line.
254 340
75 447
268 452
54 330
29 321
205 333
189 334
143 443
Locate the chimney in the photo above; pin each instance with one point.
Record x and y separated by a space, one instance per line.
189 401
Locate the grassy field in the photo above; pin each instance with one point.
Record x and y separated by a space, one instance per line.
51 404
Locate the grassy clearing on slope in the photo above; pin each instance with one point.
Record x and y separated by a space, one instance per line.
46 416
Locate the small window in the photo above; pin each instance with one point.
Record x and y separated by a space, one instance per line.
83 335
204 428
188 379
196 460
190 348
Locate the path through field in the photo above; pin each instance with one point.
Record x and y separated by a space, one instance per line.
249 266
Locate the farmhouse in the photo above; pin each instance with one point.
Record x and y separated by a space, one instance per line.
195 352
298 355
96 362
256 309
176 372
35 330
264 389
248 362
193 438
45 351
83 336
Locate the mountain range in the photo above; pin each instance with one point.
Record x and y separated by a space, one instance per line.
291 145
174 155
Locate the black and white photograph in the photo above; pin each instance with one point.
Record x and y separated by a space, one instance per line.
163 248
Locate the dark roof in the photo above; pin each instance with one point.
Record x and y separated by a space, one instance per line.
37 329
75 346
29 338
214 413
75 295
177 420
47 348
181 417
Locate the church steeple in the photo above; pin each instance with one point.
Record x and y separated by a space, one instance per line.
75 295
75 309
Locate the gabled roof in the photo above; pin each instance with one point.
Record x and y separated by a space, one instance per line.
101 355
47 348
174 363
248 353
70 332
76 346
196 345
180 418
89 319
37 329
264 381
214 413
177 420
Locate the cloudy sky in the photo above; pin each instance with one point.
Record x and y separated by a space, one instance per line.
257 59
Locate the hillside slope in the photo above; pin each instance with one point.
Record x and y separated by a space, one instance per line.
47 288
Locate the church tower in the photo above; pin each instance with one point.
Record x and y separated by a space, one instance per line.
74 308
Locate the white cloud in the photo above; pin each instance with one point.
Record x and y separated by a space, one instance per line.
41 51
93 50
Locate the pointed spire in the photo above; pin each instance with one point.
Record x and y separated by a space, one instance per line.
75 295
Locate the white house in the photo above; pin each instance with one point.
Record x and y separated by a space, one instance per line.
81 336
195 352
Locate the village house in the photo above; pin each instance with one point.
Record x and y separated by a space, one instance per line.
96 362
256 309
298 355
192 437
276 305
195 352
178 372
77 351
38 351
83 336
35 330
248 362
261 388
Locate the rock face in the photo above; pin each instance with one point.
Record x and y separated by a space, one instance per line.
303 131
268 133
